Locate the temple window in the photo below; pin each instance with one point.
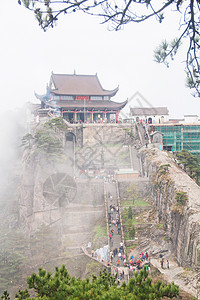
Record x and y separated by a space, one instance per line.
96 97
106 98
62 97
66 97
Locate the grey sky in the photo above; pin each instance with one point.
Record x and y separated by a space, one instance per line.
79 42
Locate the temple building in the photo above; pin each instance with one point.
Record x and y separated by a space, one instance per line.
80 98
150 115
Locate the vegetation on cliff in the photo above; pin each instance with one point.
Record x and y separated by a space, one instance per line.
161 181
181 198
48 138
131 193
128 222
61 285
190 163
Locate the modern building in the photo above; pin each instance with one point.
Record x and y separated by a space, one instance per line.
150 115
191 119
178 137
80 98
188 119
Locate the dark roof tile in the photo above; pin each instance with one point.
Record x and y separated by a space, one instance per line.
149 111
66 84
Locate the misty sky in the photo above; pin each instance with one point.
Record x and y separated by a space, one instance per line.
79 42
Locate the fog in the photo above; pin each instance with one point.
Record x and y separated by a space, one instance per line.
28 56
12 127
79 42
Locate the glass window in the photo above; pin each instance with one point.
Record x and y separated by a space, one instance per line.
96 98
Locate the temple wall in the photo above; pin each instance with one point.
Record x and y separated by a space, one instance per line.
107 133
93 134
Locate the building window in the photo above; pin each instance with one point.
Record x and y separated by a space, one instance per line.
62 98
96 98
66 97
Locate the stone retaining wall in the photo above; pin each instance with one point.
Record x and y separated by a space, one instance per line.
107 133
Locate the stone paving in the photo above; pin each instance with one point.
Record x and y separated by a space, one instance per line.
116 239
112 200
173 274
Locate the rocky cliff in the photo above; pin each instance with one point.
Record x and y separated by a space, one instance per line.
177 200
50 194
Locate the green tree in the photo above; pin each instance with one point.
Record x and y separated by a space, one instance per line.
62 286
56 124
47 138
190 163
130 229
48 142
132 192
5 296
119 13
181 197
196 173
130 213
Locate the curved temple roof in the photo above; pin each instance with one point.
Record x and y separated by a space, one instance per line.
89 85
95 104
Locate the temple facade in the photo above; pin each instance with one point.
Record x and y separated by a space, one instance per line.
150 115
80 98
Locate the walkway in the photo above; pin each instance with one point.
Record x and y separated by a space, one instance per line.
113 216
141 132
135 159
173 275
115 228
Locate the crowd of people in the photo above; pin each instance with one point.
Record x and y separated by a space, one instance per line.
140 262
132 264
119 254
113 220
118 262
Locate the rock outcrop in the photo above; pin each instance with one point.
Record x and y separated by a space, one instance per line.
181 220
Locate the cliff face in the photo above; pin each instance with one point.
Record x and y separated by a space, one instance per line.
51 195
181 221
49 192
35 209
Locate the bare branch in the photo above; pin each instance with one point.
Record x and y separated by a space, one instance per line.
117 13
